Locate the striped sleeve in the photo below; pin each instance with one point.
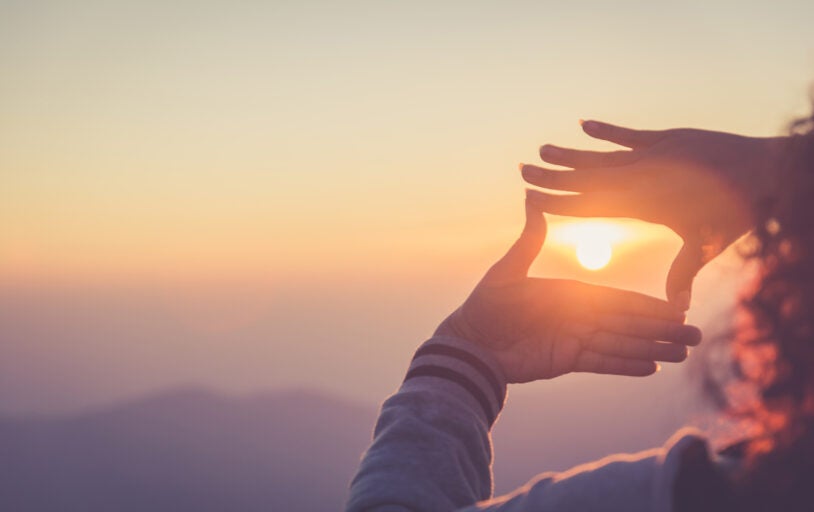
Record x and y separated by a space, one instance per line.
461 369
431 446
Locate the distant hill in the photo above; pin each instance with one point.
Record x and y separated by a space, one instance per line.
187 451
294 451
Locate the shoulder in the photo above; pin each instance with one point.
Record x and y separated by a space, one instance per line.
702 481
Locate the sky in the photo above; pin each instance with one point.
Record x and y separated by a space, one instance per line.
255 194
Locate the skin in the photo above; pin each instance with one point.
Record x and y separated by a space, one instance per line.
706 186
543 328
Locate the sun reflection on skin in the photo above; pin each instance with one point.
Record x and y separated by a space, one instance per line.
592 241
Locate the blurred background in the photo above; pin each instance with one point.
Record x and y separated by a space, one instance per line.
226 226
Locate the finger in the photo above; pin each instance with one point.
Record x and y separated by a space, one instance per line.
583 180
595 301
631 347
517 261
634 139
594 362
605 300
579 159
685 267
594 204
650 328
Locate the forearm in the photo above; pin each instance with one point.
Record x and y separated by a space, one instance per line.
432 447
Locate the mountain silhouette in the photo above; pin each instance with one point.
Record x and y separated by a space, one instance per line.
187 450
294 451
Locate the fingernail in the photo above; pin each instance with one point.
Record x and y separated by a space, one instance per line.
548 150
581 121
683 300
658 367
520 166
590 126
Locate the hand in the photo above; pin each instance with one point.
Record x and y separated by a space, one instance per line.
542 328
703 185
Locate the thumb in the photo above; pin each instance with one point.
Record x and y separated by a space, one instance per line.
517 261
686 265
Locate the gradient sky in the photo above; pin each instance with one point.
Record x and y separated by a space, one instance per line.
253 194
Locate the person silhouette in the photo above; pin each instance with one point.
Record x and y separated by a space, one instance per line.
432 447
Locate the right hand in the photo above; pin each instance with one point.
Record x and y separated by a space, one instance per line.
543 328
703 185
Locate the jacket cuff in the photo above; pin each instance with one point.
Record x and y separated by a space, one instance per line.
462 369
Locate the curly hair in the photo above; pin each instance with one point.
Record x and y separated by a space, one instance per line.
773 350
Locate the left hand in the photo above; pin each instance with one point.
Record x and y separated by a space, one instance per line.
543 328
709 187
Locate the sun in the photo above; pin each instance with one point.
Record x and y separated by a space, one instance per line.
594 254
592 241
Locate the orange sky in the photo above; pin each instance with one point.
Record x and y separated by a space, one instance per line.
273 140
319 147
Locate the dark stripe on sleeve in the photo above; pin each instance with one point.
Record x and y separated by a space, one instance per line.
471 359
458 378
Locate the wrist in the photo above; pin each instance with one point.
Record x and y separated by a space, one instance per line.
457 367
456 326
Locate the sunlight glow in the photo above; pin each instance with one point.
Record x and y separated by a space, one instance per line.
592 241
